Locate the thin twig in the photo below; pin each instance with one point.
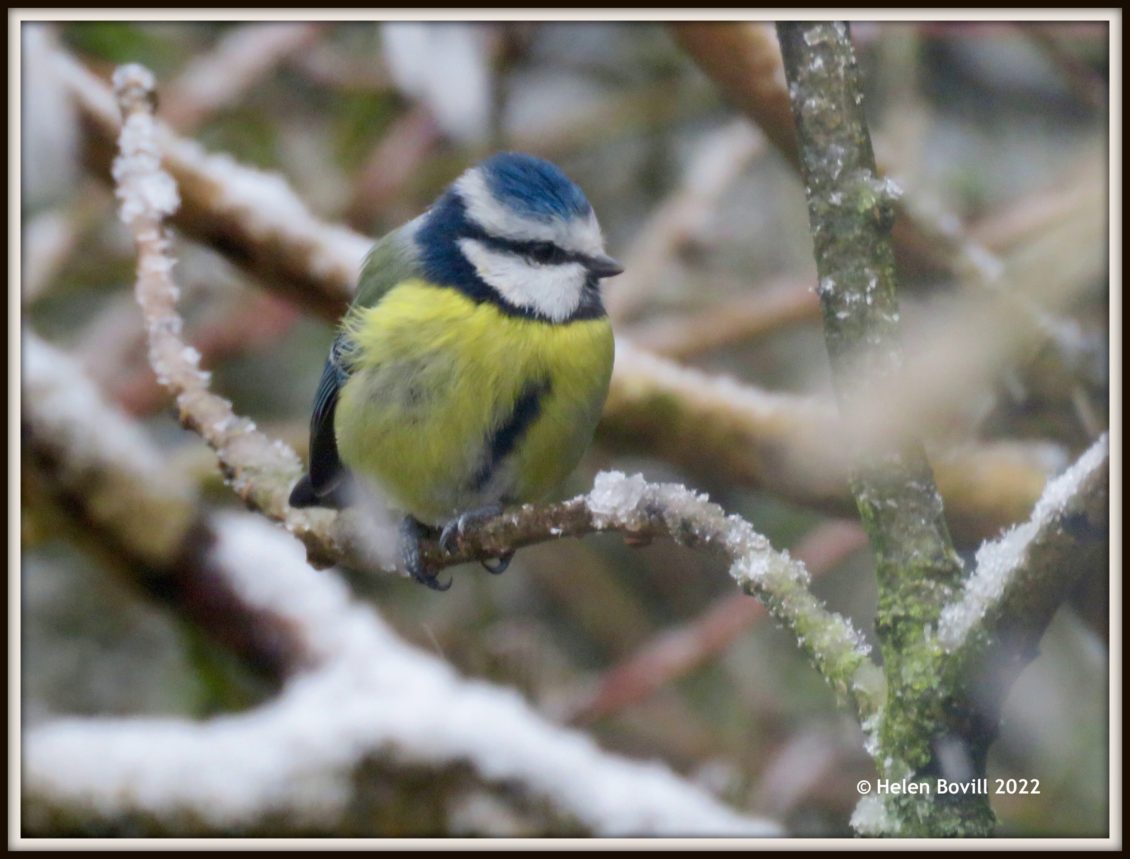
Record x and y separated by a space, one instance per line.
718 160
678 651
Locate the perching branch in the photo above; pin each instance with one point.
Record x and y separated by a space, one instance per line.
247 586
677 651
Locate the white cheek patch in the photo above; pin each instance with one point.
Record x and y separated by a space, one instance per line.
580 235
554 291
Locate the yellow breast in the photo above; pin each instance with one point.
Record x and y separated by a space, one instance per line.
454 404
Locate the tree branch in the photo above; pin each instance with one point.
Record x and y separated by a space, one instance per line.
115 486
1022 578
851 214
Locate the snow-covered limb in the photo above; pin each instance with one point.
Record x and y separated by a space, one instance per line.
97 466
678 650
97 453
289 765
261 470
1022 578
254 216
990 632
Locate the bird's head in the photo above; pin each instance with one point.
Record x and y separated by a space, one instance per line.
516 231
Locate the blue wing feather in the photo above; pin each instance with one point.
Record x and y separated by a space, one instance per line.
326 472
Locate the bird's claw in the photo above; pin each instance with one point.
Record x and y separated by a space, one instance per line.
449 536
453 531
410 533
500 565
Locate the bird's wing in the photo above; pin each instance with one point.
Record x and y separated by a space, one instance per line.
326 470
392 260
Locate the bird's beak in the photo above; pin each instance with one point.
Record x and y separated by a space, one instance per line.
604 266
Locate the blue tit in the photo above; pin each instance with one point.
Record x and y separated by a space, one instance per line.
473 365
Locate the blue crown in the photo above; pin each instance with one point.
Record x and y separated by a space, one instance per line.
533 187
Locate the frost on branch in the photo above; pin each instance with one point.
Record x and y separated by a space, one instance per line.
1023 558
835 647
144 189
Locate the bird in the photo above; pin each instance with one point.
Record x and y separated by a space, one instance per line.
471 369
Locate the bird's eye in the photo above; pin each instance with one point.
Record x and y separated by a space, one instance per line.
546 252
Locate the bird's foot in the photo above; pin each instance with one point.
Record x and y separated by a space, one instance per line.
453 531
411 532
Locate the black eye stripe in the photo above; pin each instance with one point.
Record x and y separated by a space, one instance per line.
532 250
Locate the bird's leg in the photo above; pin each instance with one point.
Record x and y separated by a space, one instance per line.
453 530
411 532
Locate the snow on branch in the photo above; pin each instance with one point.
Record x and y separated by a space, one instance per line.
1021 578
115 470
121 493
632 506
261 470
253 216
148 195
288 765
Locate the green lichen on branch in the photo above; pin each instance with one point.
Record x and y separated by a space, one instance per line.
851 214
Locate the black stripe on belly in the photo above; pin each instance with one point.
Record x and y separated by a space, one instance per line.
504 439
